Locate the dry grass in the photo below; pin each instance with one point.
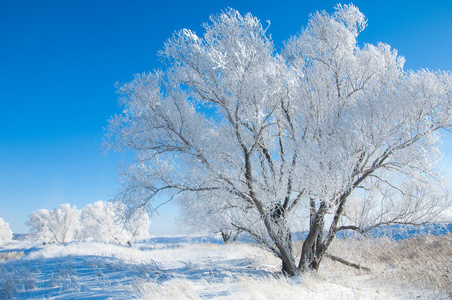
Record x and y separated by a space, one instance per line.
424 261
176 289
418 268
11 255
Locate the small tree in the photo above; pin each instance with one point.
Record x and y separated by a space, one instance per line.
6 234
282 139
58 225
209 217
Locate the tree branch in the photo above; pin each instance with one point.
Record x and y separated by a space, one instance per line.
347 263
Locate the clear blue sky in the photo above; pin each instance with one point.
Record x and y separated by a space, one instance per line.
59 61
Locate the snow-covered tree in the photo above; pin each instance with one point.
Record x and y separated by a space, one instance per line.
326 133
136 224
104 221
100 222
6 234
209 217
58 225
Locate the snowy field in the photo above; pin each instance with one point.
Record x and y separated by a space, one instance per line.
190 268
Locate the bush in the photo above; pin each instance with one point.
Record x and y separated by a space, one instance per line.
6 234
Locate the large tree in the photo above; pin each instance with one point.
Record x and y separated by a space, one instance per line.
325 133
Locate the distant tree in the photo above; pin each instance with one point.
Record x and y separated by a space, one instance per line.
38 221
58 225
100 222
136 224
208 217
6 234
104 221
325 133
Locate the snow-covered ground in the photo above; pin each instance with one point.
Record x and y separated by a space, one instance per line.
183 268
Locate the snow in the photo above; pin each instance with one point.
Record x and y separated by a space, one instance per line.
175 268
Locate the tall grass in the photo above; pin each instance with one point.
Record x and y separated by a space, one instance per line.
423 261
14 278
11 255
175 289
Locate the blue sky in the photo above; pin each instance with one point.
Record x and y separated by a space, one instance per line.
59 61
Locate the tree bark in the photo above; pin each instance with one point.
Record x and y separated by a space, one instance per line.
288 264
313 244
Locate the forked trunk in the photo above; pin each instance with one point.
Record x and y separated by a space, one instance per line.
313 246
282 237
309 260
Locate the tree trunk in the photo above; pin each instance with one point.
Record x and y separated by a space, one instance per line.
282 237
236 236
288 268
288 263
313 246
226 237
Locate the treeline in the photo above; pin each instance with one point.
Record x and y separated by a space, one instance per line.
101 221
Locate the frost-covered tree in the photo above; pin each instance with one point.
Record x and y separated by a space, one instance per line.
136 224
100 222
6 234
326 133
209 217
58 225
104 221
